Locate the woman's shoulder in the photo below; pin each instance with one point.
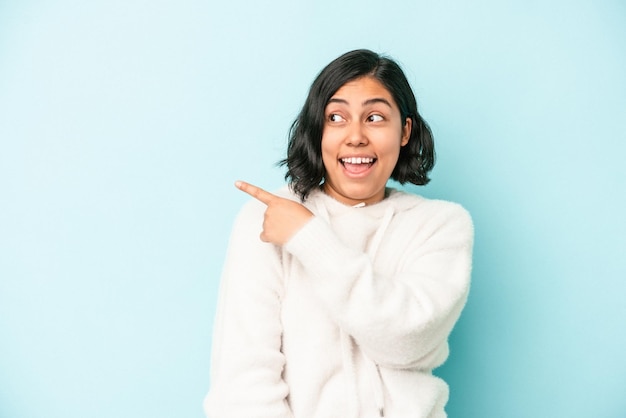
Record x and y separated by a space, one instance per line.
411 201
417 205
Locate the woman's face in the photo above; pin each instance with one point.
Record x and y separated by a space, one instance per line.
361 141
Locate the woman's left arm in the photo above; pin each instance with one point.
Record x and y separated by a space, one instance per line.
403 319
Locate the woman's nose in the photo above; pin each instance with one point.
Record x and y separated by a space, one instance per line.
356 135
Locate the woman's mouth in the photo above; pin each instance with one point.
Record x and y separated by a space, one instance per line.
357 165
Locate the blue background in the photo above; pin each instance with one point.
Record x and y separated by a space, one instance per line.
123 125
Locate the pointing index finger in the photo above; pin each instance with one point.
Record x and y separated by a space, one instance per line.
256 192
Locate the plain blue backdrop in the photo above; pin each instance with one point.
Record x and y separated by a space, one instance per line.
123 125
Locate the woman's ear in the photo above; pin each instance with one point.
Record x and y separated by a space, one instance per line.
406 131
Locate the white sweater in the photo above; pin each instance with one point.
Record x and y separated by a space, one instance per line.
348 318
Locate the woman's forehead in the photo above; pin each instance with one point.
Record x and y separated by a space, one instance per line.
363 91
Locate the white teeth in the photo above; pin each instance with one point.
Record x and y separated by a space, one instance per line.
357 160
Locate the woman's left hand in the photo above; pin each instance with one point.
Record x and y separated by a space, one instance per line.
283 217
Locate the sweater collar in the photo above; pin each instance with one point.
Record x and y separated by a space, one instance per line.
397 200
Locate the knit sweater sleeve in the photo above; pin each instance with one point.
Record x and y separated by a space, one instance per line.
403 319
246 360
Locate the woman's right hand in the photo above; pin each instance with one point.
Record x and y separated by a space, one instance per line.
283 217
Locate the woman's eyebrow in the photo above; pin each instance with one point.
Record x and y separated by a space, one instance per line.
376 100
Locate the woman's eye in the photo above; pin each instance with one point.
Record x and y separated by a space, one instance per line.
375 118
335 118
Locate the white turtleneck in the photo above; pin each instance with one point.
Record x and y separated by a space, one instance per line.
348 319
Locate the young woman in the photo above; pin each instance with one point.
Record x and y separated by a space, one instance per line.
338 293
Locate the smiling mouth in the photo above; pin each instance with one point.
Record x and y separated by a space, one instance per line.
357 165
357 160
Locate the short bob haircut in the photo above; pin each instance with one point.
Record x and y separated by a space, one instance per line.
305 168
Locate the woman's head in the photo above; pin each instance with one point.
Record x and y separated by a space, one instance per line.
305 165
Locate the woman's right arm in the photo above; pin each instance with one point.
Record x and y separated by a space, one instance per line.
246 359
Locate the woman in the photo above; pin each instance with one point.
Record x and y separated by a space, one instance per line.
338 294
